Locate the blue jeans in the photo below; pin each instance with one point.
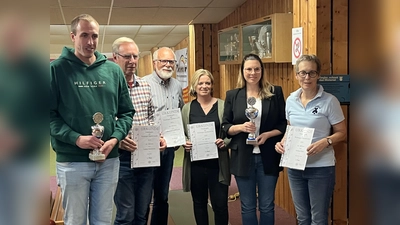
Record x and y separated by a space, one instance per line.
312 190
87 191
133 194
162 177
248 186
205 179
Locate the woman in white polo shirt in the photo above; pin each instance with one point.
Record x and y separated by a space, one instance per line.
310 106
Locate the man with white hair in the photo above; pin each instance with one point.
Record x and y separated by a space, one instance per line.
167 95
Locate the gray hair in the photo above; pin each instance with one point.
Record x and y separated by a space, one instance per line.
119 41
155 54
308 58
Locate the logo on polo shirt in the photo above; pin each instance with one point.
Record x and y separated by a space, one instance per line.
315 110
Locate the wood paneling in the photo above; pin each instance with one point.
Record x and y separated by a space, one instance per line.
254 9
145 65
324 39
206 52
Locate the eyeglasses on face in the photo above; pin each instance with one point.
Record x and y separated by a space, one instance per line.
165 62
129 57
256 70
311 73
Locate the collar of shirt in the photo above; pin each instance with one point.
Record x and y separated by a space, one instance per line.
133 83
319 93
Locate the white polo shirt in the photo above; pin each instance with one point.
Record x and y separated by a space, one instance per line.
321 113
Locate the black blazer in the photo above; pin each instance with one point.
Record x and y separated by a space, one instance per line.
272 117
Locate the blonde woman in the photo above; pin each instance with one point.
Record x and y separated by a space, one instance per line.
207 177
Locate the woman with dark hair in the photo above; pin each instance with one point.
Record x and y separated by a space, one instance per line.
256 167
210 177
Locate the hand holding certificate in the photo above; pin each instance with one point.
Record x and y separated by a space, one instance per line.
147 153
202 136
297 141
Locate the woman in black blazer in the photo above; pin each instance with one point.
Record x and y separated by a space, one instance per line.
256 167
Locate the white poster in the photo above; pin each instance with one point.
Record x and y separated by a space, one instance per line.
297 43
182 67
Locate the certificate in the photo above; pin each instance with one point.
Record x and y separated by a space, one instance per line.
202 136
171 126
296 143
147 153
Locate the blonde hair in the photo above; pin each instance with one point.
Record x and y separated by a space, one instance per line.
75 21
195 81
119 41
266 88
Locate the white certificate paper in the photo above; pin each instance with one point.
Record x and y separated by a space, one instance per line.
202 136
297 141
147 153
171 126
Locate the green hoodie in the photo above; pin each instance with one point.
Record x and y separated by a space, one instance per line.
77 91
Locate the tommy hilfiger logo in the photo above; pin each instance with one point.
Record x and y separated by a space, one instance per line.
86 84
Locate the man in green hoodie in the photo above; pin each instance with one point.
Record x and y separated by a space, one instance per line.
83 82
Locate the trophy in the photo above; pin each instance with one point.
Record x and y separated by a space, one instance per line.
251 113
252 40
268 45
97 131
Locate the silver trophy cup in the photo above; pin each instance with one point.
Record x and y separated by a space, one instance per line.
98 132
251 113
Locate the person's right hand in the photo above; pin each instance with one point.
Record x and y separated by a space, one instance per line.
128 144
188 146
279 147
248 127
88 142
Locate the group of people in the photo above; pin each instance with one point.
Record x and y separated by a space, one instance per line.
84 82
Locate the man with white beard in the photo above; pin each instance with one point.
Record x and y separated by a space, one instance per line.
167 94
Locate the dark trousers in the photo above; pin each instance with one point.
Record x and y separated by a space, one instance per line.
162 177
133 194
204 181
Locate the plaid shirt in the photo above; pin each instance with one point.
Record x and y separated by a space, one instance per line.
140 94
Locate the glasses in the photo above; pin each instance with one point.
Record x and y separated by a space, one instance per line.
303 73
129 57
256 70
165 62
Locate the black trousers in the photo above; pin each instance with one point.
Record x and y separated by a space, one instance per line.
205 181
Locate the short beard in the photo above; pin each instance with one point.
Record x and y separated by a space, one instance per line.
164 74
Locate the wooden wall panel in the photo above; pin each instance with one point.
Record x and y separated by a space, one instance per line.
254 9
340 66
324 39
191 54
145 65
206 51
215 70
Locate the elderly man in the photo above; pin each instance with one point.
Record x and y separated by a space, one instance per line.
167 95
134 189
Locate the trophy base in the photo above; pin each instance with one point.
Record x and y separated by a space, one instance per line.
251 141
97 157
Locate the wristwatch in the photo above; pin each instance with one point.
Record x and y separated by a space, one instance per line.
329 141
